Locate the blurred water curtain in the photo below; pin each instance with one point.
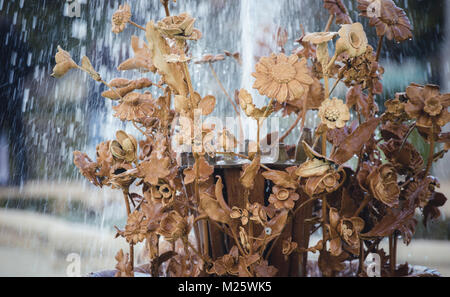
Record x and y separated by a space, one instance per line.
205 202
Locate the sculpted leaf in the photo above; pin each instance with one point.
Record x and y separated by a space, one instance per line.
249 174
281 178
354 142
212 208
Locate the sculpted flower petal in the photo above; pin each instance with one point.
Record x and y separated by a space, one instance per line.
120 18
179 27
427 105
64 63
154 169
283 197
383 184
282 78
338 9
334 113
387 18
314 167
353 40
319 37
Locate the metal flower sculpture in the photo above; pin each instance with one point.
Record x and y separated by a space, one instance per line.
265 213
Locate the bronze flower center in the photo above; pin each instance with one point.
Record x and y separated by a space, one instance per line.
165 191
119 18
331 114
346 231
355 41
433 106
330 180
283 194
283 72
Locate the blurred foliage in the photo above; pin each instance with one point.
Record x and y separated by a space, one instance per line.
437 230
